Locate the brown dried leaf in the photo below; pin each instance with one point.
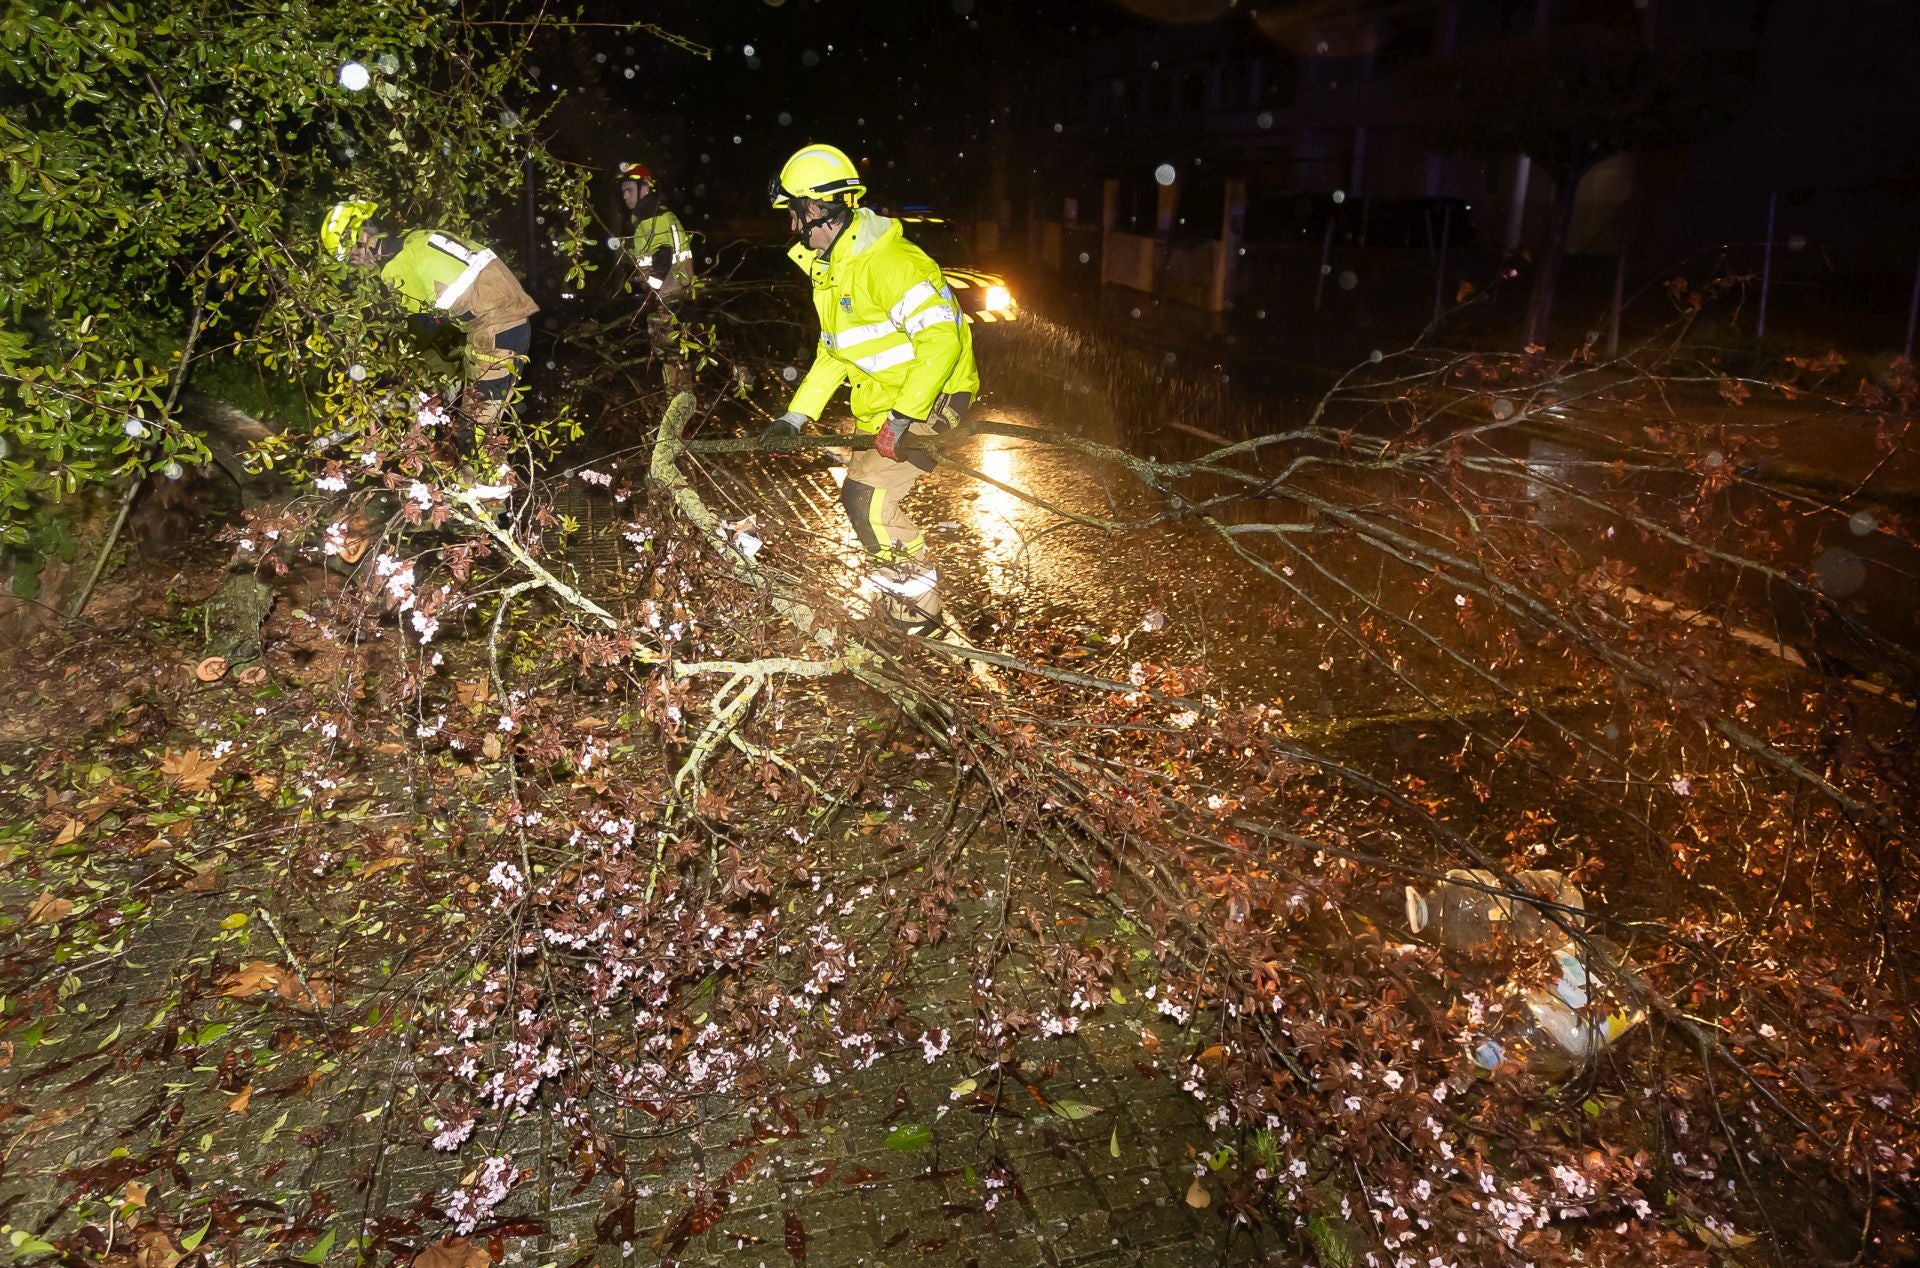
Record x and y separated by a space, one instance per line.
1197 1195
135 1194
238 1105
154 1249
380 865
475 693
255 977
490 747
69 831
264 786
188 771
48 910
454 1252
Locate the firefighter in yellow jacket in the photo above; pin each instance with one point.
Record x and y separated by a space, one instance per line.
441 277
662 268
889 325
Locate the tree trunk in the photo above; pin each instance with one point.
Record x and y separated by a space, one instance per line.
1546 278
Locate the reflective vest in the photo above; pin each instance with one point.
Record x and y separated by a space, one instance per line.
650 234
888 324
435 272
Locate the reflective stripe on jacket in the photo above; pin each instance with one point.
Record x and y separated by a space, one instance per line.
438 273
888 324
663 229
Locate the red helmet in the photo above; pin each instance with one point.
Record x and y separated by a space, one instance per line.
636 172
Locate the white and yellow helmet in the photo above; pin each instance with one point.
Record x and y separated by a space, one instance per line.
818 172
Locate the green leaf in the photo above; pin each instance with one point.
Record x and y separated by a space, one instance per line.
965 1087
909 1136
211 1032
1113 1141
318 1255
1073 1110
192 1240
26 1243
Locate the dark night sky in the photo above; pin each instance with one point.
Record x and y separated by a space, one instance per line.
910 86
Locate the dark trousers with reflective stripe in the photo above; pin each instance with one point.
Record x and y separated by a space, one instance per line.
875 487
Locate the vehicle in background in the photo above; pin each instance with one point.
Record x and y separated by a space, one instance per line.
984 297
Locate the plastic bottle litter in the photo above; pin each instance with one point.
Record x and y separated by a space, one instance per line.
1551 1031
1464 917
1554 1031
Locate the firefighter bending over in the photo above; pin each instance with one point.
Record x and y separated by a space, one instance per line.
439 277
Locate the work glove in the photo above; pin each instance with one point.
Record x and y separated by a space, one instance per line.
893 440
779 435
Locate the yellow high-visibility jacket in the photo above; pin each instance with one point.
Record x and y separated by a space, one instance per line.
888 324
659 239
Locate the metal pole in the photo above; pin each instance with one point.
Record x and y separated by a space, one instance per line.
1913 311
1766 268
1619 297
533 230
1326 253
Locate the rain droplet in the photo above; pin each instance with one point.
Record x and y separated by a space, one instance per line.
387 64
509 118
354 76
747 49
1839 571
1058 128
788 373
1349 279
1502 409
1376 356
628 72
1611 731
1264 118
809 58
1085 258
785 118
134 428
1260 314
356 372
1164 174
613 244
1861 523
1796 242
1339 196
753 63
1326 270
1715 457
600 58
1136 312
736 138
235 124
1170 358
173 470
